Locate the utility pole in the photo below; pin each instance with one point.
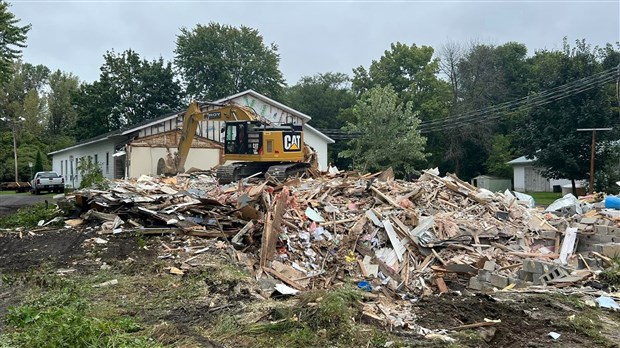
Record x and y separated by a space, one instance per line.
14 131
593 130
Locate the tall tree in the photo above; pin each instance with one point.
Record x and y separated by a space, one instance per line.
412 72
550 133
219 60
61 114
12 40
390 134
130 90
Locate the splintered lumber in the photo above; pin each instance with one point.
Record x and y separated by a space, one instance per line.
473 326
237 238
441 284
280 276
273 226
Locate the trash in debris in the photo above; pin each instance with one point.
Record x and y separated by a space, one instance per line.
554 335
285 290
364 285
174 270
607 302
108 283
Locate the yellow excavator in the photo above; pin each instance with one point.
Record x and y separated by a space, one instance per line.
260 147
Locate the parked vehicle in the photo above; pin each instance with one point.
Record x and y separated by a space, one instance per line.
47 181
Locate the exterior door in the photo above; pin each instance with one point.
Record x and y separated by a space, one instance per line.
534 181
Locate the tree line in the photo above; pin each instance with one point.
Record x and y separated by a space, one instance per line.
464 108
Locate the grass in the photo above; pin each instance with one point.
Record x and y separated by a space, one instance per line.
57 313
29 216
545 198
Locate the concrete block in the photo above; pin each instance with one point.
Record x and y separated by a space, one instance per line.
517 282
489 266
580 227
525 275
600 229
548 234
531 266
602 239
589 220
499 281
610 250
555 273
475 284
484 275
537 279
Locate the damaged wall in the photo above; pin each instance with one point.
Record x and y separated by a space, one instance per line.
144 154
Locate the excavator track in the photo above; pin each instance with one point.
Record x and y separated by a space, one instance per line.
279 171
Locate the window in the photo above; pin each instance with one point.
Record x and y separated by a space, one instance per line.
61 169
269 145
66 170
107 163
77 171
96 159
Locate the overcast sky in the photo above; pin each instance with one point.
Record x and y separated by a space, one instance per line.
313 36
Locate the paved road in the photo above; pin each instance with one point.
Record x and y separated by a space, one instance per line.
10 203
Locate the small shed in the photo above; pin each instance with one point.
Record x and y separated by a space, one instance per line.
528 177
492 183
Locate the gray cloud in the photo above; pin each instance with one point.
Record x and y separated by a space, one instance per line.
312 37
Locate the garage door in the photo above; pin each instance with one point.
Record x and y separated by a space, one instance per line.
534 182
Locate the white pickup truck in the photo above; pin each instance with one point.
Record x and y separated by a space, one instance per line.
47 181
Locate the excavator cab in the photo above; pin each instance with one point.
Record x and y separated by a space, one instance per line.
243 138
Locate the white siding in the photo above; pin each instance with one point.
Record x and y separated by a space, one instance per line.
319 145
67 159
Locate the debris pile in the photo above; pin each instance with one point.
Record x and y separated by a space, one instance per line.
396 238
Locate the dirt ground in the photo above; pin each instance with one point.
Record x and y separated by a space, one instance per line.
178 309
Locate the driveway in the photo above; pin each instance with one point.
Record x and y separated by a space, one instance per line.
11 202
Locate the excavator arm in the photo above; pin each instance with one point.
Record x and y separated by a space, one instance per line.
196 113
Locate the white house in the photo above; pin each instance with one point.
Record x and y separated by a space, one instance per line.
528 178
139 149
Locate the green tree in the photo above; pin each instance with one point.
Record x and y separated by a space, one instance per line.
219 60
129 91
412 73
550 133
12 40
61 114
480 76
502 151
38 163
390 134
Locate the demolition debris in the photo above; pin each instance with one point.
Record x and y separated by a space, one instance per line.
397 239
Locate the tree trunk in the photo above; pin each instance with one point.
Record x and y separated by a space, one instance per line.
574 187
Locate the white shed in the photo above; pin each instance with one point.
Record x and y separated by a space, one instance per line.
528 178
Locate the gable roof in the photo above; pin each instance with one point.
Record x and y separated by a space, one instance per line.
267 100
521 160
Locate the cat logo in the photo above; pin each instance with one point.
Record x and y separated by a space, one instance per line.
292 142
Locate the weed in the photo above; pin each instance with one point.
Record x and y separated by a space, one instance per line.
30 216
588 324
62 318
611 275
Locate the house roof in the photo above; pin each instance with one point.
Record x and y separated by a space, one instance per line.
490 177
521 160
268 101
153 121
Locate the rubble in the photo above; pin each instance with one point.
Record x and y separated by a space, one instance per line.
397 239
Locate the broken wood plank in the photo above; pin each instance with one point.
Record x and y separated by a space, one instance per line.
280 276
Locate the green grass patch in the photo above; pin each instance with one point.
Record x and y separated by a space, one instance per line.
61 316
30 216
587 323
319 319
545 198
